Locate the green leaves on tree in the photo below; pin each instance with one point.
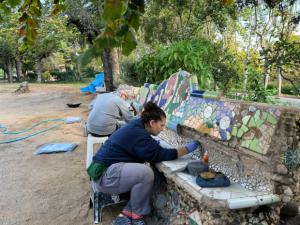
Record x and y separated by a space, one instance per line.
138 5
129 42
121 19
122 30
114 9
58 8
194 56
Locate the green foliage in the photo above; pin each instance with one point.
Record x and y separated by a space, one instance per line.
113 10
287 89
173 20
192 56
284 60
68 76
88 72
130 73
260 94
121 22
46 76
225 72
199 57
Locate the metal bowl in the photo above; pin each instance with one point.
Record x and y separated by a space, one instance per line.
75 105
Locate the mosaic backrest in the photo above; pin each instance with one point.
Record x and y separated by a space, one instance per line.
246 141
173 91
142 96
249 126
253 126
256 145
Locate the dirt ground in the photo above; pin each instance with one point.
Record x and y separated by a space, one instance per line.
47 189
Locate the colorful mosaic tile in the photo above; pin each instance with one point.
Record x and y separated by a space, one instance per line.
159 92
142 97
271 119
173 91
206 116
291 158
252 126
246 119
152 90
255 128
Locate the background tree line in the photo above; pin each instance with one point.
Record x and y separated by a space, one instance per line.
233 46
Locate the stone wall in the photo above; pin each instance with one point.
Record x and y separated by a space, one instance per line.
173 205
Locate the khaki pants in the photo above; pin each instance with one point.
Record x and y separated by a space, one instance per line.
137 178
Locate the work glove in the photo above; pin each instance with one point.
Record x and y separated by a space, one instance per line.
192 146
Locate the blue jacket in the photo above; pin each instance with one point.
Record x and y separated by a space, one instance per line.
132 143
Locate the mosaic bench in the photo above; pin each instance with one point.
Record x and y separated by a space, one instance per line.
260 176
255 145
233 197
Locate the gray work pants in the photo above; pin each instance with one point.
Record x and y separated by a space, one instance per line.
137 178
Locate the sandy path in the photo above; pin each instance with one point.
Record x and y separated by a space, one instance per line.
45 189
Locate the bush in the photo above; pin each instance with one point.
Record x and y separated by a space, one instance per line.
259 94
68 76
199 57
287 89
88 72
130 74
46 76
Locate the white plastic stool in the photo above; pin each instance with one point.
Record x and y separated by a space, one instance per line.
90 147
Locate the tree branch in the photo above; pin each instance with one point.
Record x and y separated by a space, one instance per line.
281 70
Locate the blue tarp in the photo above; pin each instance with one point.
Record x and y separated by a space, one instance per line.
55 148
98 82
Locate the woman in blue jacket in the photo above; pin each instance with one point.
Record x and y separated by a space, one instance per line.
123 158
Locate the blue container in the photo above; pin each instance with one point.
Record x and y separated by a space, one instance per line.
197 93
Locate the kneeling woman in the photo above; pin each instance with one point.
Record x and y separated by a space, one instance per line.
120 162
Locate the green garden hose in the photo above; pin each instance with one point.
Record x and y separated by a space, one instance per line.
4 130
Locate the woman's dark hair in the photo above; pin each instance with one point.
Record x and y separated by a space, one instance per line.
152 112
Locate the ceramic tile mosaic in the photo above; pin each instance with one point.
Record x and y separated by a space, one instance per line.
246 175
291 158
207 116
232 128
223 120
252 126
173 91
143 94
256 128
152 90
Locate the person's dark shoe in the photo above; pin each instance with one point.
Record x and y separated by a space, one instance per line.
122 220
138 222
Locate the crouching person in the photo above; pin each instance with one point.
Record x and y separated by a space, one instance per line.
119 165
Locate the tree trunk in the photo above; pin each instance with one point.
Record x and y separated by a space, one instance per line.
38 70
19 69
5 74
246 71
110 59
266 72
9 71
279 81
